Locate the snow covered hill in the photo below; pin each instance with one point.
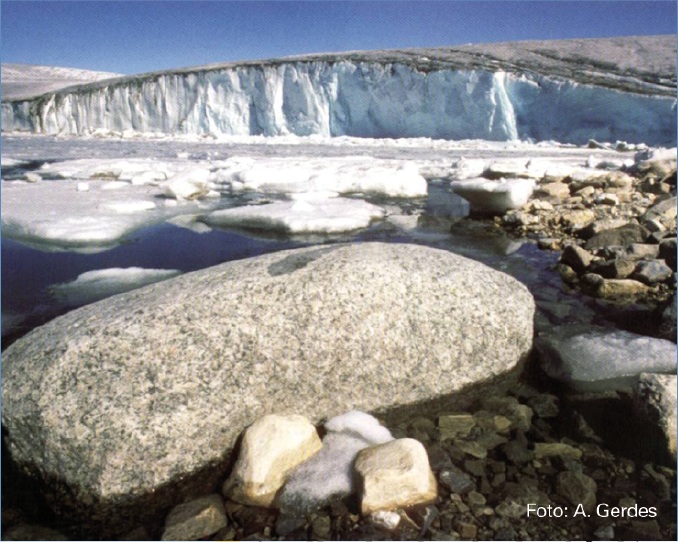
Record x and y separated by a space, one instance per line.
569 91
23 81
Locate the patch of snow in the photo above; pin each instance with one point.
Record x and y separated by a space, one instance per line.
329 473
95 285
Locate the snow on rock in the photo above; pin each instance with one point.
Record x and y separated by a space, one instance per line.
329 473
383 95
330 215
271 447
344 175
498 196
101 283
597 359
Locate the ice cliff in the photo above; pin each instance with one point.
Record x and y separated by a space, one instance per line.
551 90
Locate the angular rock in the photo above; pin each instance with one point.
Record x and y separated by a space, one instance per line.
667 251
642 251
594 358
395 475
667 328
195 519
665 211
554 191
656 400
576 257
622 236
137 400
271 447
652 271
556 449
578 489
619 268
455 425
577 219
614 288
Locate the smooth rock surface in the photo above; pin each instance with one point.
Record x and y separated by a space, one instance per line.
271 447
138 399
394 475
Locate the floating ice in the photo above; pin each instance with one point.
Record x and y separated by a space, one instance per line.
494 196
306 215
95 285
343 175
329 473
56 216
603 359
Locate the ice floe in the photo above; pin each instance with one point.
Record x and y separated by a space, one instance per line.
305 215
345 175
95 285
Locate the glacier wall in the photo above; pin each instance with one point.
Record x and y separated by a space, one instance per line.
361 99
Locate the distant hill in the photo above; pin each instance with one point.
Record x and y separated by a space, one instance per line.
22 81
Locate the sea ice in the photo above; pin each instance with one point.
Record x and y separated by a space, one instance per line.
95 285
494 196
305 215
345 175
55 216
329 473
601 359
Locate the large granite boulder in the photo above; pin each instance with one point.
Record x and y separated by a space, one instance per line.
134 403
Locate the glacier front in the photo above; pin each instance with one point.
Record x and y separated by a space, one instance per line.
363 96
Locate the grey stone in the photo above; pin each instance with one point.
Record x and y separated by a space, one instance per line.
544 405
664 210
195 519
619 268
455 425
642 251
576 257
456 482
667 328
655 397
26 531
517 452
622 236
138 399
578 489
652 271
667 251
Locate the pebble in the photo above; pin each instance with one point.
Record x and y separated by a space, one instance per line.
195 519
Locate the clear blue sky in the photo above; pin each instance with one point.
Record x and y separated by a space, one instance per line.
139 36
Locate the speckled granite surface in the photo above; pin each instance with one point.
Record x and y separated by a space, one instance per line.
128 401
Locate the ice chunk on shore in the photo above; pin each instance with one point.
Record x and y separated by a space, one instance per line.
329 473
494 196
599 359
95 285
305 215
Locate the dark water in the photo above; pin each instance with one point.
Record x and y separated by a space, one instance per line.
440 220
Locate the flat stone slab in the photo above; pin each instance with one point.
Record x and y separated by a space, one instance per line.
135 402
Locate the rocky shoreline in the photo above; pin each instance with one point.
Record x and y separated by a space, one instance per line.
538 447
526 448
